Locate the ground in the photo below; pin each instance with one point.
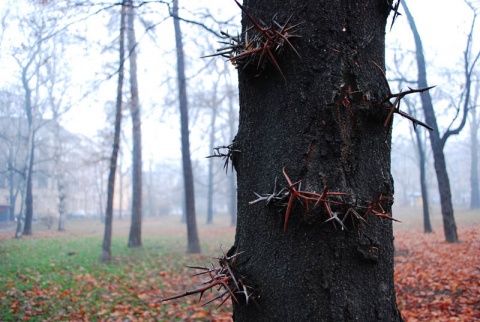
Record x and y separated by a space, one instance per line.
56 276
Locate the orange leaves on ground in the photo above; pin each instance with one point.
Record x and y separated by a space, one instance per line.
435 280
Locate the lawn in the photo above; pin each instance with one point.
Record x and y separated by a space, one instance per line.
57 277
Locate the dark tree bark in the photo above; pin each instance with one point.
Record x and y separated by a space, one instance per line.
192 233
135 237
106 255
438 142
324 123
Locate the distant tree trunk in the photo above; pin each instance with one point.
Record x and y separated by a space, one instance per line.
325 125
120 197
474 124
61 206
437 143
232 206
135 238
210 163
233 176
106 255
13 188
60 176
427 226
422 163
27 228
192 233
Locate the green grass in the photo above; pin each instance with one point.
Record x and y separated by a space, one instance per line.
60 277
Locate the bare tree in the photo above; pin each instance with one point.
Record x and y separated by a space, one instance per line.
135 237
210 185
422 165
27 75
232 125
192 233
474 126
106 255
438 142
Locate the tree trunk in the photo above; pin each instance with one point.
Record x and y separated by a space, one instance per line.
427 226
12 185
27 228
474 193
325 125
192 233
232 178
437 143
106 255
232 206
210 161
135 237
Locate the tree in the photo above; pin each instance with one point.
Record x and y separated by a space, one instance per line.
192 233
420 145
422 165
106 255
232 124
29 111
323 123
210 184
438 142
12 134
427 226
474 125
135 237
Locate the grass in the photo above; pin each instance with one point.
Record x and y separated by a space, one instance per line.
59 277
55 276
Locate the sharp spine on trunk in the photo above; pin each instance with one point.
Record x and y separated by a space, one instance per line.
292 192
258 43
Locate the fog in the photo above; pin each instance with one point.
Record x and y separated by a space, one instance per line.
72 51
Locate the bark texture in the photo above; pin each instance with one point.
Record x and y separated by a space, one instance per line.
192 233
325 125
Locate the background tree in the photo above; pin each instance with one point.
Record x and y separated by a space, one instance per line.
474 125
323 122
29 70
106 254
438 142
135 237
192 233
418 138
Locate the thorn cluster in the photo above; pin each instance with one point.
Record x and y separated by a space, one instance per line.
292 192
395 106
223 278
227 157
259 43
